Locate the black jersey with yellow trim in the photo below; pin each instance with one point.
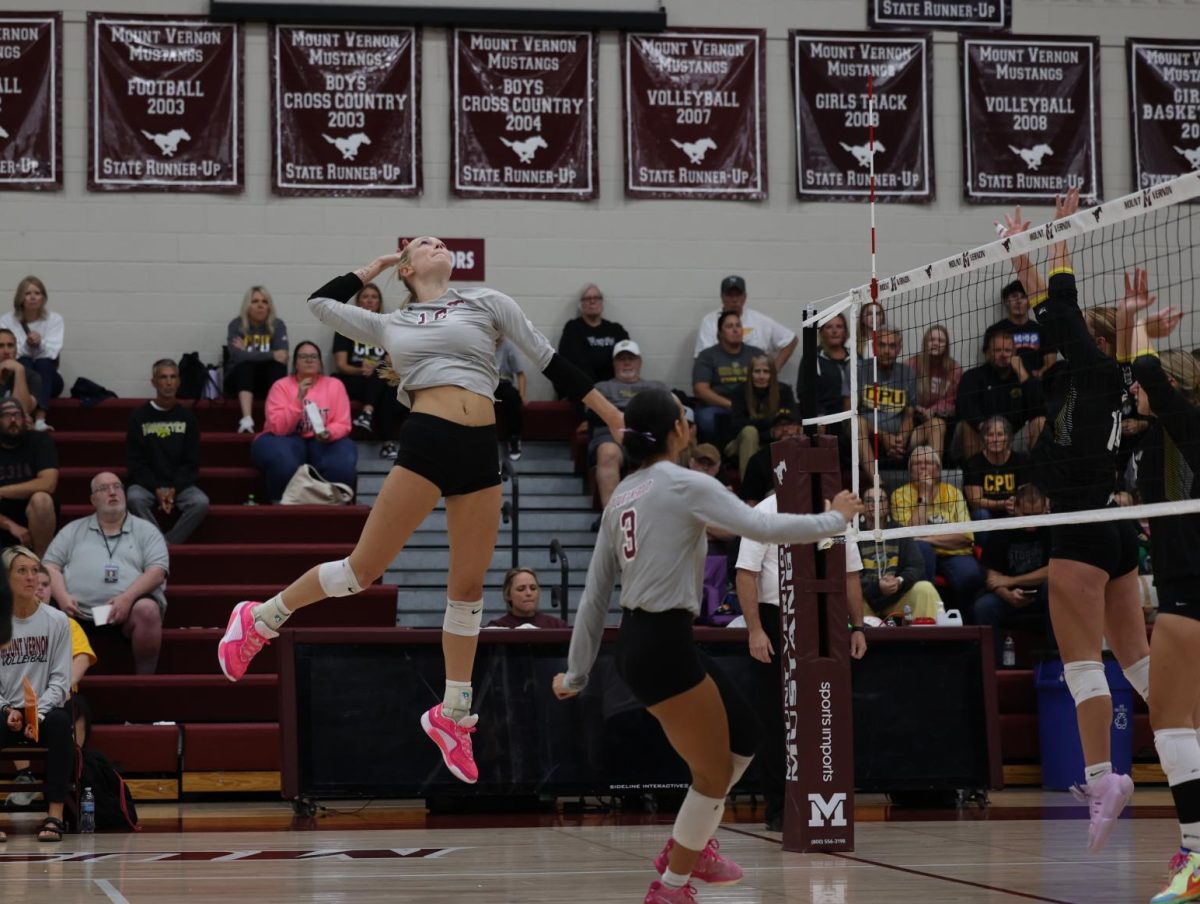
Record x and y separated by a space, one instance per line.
1167 464
1075 457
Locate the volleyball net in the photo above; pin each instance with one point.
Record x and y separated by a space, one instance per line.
895 373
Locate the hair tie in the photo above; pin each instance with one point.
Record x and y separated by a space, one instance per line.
650 437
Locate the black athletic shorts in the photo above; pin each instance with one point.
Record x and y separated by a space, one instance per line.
455 458
658 659
1111 546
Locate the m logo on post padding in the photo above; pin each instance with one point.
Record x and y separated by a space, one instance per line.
831 812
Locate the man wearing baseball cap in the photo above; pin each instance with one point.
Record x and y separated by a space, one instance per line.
757 329
604 452
28 480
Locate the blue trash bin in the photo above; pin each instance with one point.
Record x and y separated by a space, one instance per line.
1058 732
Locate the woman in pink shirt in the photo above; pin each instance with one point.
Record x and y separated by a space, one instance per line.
289 439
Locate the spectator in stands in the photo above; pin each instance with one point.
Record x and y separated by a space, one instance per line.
938 376
925 500
40 652
833 368
357 364
604 452
522 594
871 320
755 409
257 350
706 459
893 572
510 394
759 330
895 399
111 559
39 333
757 581
718 374
991 478
162 451
1026 334
16 380
1016 566
757 483
1001 386
28 481
588 340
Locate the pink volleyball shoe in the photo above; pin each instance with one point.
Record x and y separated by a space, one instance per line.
454 740
660 893
242 641
1106 797
711 867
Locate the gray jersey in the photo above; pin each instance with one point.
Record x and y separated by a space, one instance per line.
447 342
652 535
40 651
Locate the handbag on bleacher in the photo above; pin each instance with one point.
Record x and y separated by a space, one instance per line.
308 487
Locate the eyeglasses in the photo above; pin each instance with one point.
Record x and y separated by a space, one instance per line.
592 298
107 488
308 357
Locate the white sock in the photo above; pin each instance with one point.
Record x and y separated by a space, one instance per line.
1098 771
456 702
674 879
1138 675
740 765
1190 834
272 613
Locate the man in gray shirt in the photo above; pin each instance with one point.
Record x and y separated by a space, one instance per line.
113 559
604 452
893 396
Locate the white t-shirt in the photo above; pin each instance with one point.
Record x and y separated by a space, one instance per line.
764 559
757 329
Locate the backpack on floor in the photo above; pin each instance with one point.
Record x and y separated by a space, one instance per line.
114 801
192 376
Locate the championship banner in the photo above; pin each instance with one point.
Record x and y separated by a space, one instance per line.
1031 118
164 104
830 71
1164 106
345 110
30 101
695 114
955 15
524 116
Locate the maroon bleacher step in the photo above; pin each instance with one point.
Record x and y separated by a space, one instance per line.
270 523
229 486
181 698
231 747
238 563
185 651
106 449
139 749
208 606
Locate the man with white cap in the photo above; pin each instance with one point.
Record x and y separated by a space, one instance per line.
604 451
757 329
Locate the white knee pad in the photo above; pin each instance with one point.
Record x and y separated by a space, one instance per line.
1085 680
338 578
697 820
463 618
1138 675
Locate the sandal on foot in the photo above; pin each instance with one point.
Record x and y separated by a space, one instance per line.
55 828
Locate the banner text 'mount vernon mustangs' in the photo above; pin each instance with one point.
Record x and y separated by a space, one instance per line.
1164 106
345 110
695 114
30 101
836 76
524 115
165 104
1031 118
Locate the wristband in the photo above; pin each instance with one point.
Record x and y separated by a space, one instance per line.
856 629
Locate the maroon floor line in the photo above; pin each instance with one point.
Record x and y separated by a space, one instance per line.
915 872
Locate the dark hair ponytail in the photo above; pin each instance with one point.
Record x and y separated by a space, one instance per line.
649 419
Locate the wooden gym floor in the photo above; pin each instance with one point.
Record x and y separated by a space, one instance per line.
1029 846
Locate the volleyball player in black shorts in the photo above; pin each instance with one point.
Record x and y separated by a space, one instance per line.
1094 592
1167 389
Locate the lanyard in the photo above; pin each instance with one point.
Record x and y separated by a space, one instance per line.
103 536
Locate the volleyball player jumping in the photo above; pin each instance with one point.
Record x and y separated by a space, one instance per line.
653 535
1094 593
1167 389
442 343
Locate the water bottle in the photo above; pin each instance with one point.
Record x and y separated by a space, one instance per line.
250 500
1009 658
908 616
87 813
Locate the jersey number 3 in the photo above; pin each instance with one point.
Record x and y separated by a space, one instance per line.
629 534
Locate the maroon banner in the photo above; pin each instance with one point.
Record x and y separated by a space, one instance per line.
957 15
830 73
30 101
695 114
1031 118
345 110
468 257
1164 108
164 104
524 115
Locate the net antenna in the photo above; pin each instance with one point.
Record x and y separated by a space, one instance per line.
880 558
